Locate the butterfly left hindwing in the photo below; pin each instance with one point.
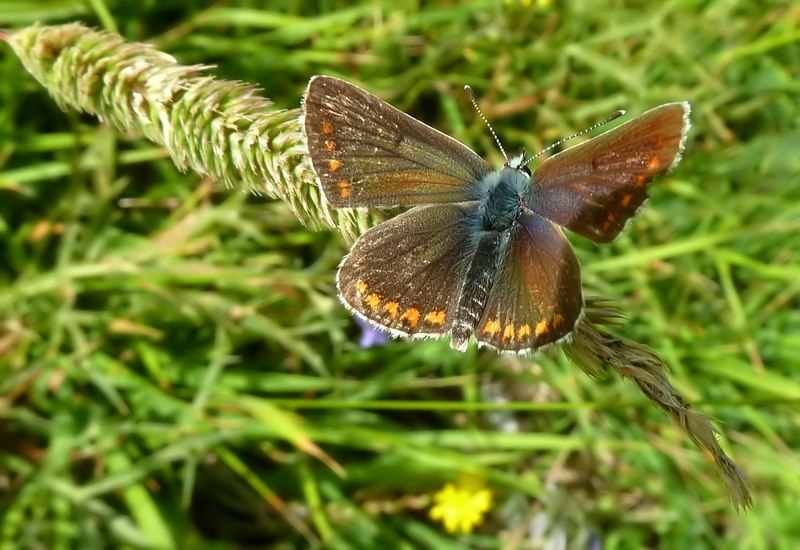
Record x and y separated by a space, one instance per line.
406 273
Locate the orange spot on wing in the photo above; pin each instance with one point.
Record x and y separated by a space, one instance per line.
373 300
541 328
626 200
610 217
653 164
508 332
492 326
329 145
334 165
344 188
391 308
327 127
557 320
641 179
524 330
435 317
411 315
361 287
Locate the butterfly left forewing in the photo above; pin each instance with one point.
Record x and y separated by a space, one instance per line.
367 153
535 298
595 187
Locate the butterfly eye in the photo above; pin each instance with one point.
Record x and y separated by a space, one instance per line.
526 170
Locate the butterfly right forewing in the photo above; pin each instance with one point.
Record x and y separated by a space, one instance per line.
594 188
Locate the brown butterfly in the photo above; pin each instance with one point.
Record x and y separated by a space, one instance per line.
481 252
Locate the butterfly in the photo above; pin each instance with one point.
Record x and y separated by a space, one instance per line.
481 252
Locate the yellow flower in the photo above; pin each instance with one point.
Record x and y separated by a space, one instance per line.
528 3
461 507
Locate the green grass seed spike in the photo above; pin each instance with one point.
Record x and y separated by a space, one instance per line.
221 129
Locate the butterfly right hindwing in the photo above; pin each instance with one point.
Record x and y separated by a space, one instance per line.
535 298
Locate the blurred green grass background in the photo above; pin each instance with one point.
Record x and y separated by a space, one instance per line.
176 372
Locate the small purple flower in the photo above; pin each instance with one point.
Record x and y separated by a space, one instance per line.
370 336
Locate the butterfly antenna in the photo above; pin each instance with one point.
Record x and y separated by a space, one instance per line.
614 116
471 95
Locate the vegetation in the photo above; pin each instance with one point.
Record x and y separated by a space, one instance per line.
176 371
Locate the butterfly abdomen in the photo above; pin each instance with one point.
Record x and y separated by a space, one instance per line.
490 253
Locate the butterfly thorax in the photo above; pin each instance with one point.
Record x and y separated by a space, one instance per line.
504 200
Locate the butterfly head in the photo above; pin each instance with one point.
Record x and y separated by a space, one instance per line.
519 163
